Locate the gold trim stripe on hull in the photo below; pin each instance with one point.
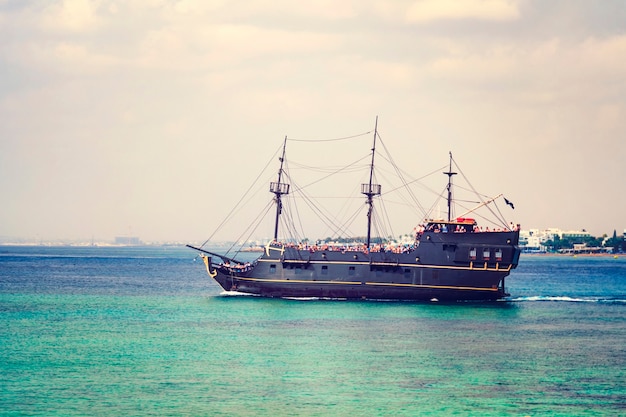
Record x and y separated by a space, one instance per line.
448 287
483 267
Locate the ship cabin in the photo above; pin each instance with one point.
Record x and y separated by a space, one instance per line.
458 225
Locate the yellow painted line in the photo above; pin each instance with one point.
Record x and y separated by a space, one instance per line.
294 261
366 283
383 284
298 281
465 268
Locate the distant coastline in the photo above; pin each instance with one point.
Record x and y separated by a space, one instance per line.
575 255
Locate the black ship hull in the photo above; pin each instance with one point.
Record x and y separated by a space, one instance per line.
444 266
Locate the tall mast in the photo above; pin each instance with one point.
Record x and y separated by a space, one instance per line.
370 189
450 174
279 188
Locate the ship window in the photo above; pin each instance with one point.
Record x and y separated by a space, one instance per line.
351 271
499 255
272 269
472 254
486 254
325 270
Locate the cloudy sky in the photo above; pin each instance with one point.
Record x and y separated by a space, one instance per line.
150 117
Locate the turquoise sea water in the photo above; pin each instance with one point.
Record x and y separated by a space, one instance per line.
142 331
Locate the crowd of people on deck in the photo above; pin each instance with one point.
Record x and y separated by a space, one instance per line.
237 267
360 247
392 247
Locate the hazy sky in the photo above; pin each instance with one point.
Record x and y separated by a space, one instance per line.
150 117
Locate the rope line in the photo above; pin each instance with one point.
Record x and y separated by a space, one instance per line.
330 140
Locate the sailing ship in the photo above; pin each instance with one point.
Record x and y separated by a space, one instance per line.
449 259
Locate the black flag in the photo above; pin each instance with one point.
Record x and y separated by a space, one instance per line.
509 203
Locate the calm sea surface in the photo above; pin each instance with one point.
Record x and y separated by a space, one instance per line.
142 331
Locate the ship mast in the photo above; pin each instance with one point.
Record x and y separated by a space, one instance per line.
449 187
370 189
279 188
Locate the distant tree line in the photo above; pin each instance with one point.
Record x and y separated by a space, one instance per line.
616 242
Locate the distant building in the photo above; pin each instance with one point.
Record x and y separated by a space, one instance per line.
534 240
574 234
127 240
583 248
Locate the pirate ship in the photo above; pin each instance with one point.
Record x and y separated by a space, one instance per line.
447 259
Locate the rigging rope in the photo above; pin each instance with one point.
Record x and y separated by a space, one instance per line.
330 140
333 173
232 212
292 219
257 220
401 176
500 218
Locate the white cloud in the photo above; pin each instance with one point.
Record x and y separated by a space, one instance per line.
195 7
72 16
605 56
429 10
